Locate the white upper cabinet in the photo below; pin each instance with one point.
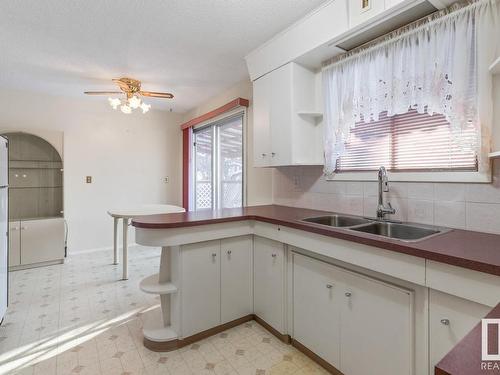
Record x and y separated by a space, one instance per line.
285 133
313 30
362 10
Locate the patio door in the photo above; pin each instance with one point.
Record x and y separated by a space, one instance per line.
218 164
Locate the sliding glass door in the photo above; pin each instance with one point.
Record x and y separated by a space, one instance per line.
218 164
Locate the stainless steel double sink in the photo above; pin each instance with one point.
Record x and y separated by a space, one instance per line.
388 229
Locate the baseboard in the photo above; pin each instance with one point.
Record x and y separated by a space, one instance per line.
180 343
316 358
93 250
35 265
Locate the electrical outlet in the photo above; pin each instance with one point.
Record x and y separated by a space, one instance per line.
88 179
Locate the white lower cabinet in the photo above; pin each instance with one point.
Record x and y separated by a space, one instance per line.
376 328
317 297
200 287
36 241
357 324
450 319
216 283
236 278
269 282
14 243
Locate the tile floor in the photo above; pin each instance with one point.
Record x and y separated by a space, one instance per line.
78 318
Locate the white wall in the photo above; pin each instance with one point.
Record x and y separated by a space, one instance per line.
259 180
128 157
458 205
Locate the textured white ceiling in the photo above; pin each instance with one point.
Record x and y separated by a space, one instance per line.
192 48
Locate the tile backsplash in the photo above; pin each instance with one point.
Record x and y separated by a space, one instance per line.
457 205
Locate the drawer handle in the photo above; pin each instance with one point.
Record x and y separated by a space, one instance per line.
348 294
445 322
329 286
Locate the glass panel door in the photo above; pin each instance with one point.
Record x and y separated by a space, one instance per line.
203 165
230 164
218 165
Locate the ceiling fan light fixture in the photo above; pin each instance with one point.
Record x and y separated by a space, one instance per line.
114 102
134 102
125 108
145 107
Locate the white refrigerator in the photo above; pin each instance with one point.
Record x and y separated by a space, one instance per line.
4 220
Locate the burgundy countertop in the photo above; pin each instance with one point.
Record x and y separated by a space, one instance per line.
472 250
465 357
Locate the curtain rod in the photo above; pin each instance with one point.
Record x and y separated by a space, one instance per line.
406 29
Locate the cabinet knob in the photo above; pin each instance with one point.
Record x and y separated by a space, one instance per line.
273 154
229 252
13 229
273 255
445 322
23 228
214 255
348 294
329 286
263 155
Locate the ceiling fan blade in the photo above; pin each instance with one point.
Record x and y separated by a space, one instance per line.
152 94
103 92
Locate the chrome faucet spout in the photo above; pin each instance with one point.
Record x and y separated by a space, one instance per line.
383 186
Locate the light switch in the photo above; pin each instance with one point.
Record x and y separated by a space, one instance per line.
88 179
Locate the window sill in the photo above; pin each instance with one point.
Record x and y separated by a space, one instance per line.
464 177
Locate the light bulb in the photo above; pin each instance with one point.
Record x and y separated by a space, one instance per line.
134 102
126 109
114 102
145 107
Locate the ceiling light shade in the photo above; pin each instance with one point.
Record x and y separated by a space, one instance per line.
126 109
145 107
134 102
114 102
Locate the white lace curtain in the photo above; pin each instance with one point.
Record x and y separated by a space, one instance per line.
430 67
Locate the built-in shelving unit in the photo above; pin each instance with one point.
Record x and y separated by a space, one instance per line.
151 285
495 67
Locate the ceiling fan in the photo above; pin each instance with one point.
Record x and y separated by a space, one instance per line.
132 89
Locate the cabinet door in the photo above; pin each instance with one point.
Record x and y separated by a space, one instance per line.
281 115
373 312
236 278
14 243
42 240
362 10
316 308
200 287
450 319
261 121
269 272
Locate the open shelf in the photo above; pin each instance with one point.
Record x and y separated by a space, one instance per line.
159 333
495 67
314 114
151 285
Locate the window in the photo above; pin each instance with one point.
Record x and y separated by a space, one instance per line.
410 142
218 164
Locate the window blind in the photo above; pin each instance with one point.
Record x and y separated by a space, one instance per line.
409 142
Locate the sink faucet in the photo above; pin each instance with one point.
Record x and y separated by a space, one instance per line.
383 186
